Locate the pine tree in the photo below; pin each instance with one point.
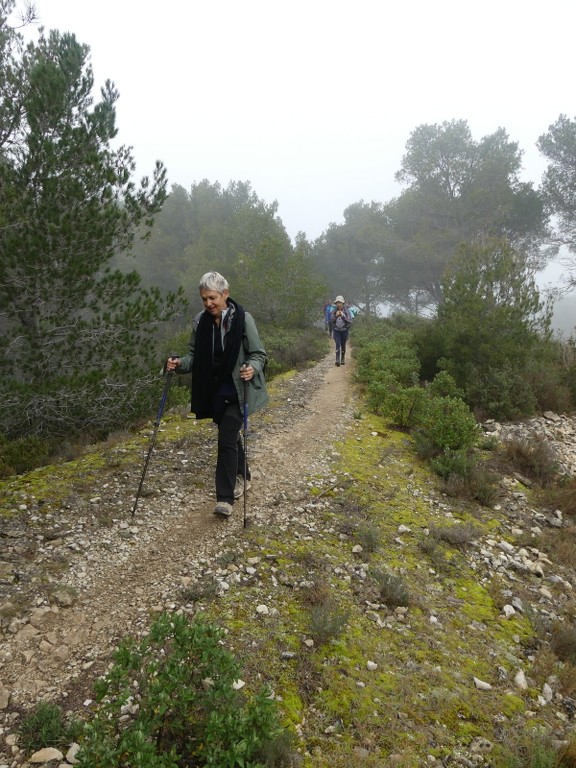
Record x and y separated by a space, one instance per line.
78 340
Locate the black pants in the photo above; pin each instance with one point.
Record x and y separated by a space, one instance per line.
230 461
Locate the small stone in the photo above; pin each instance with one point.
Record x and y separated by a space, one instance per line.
520 680
72 752
4 698
547 692
45 755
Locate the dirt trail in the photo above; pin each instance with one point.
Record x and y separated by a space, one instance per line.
117 574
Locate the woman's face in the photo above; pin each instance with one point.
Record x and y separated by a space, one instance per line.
214 301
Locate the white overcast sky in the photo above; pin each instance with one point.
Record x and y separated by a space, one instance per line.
312 101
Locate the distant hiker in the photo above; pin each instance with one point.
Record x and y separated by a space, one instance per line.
340 322
328 307
225 351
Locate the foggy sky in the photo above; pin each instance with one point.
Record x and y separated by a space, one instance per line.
312 101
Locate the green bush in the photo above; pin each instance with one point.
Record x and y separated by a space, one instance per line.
392 355
378 391
405 406
452 463
444 385
500 393
178 686
23 454
292 348
449 425
388 366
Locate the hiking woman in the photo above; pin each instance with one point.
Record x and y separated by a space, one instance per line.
225 351
340 322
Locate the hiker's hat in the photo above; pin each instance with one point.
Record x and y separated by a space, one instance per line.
339 298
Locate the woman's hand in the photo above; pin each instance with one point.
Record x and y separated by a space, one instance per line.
172 363
246 372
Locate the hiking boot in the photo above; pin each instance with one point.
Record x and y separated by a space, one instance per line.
223 509
337 361
342 361
240 488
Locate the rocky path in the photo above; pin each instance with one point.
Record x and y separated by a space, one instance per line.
78 572
74 581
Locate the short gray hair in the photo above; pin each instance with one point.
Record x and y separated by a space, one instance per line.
213 281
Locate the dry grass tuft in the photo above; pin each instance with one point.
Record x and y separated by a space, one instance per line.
392 589
535 459
563 642
459 535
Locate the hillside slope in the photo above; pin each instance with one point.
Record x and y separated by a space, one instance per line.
395 626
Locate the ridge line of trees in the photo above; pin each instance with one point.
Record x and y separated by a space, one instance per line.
97 271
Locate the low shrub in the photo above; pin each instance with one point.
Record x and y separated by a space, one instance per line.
483 486
500 393
561 495
464 477
292 348
449 425
563 642
535 459
327 621
178 684
368 537
455 486
531 748
459 535
23 454
450 464
405 406
392 589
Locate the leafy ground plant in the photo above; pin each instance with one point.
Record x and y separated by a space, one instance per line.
180 688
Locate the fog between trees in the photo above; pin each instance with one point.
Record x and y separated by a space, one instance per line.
97 269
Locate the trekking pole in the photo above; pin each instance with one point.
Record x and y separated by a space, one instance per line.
245 445
167 383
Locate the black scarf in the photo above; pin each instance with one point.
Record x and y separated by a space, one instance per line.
206 380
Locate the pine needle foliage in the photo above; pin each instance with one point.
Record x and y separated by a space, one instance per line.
77 339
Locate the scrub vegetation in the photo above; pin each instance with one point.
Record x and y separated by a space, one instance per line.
389 642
